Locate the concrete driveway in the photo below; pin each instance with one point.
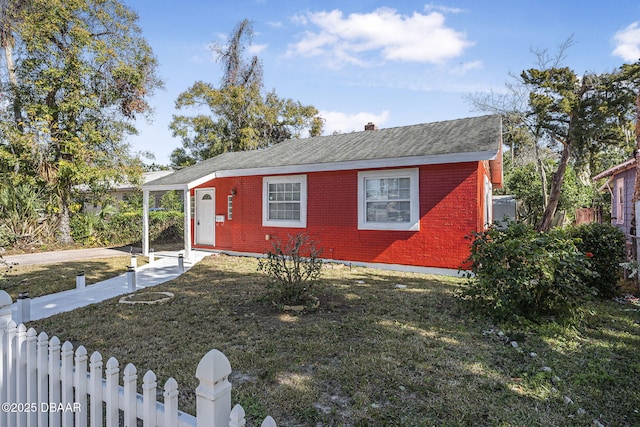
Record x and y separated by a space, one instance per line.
66 255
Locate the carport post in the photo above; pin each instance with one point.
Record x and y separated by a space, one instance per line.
187 222
145 222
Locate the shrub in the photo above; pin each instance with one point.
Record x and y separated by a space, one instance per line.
125 228
293 268
605 246
171 201
518 273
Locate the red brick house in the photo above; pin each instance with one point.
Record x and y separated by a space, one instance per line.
402 198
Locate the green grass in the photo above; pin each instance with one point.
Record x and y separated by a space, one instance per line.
373 354
47 279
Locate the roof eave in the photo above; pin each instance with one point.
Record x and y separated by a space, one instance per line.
337 166
616 169
364 164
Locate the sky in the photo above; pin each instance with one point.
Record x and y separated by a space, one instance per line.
393 63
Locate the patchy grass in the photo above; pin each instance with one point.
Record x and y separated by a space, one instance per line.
373 353
47 279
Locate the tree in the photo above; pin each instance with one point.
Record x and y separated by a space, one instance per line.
83 75
579 113
241 117
584 119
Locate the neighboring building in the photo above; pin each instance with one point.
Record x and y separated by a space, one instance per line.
121 190
620 183
398 198
504 210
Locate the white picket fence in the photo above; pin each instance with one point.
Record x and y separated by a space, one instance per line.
44 383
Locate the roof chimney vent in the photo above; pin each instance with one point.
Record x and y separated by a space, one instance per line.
370 126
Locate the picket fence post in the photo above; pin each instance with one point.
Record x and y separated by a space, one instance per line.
213 394
111 394
130 395
149 387
43 375
67 383
32 378
81 386
95 385
54 380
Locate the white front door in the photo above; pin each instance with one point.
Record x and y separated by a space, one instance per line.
205 217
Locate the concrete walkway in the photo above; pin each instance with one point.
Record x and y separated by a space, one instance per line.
164 268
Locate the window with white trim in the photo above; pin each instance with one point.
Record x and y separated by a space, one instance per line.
620 201
284 201
388 200
229 207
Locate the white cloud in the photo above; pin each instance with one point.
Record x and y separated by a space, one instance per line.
462 69
441 8
417 38
255 49
336 121
628 43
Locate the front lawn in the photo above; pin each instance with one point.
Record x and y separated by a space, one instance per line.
45 279
384 348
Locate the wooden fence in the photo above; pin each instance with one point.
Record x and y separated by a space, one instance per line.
44 383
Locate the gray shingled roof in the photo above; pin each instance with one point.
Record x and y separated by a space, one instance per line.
476 138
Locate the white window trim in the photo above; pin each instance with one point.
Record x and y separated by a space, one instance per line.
620 194
488 202
414 221
266 222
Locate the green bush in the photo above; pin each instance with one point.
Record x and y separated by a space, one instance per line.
604 244
125 228
519 273
293 268
171 201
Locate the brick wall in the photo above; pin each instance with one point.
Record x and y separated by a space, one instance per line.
450 209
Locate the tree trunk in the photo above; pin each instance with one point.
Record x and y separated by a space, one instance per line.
64 227
556 187
543 176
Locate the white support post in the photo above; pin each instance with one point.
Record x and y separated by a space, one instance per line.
23 312
131 278
80 280
187 223
5 310
213 394
145 222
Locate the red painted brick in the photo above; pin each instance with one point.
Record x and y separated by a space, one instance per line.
451 206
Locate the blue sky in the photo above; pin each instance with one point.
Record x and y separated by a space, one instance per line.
393 63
